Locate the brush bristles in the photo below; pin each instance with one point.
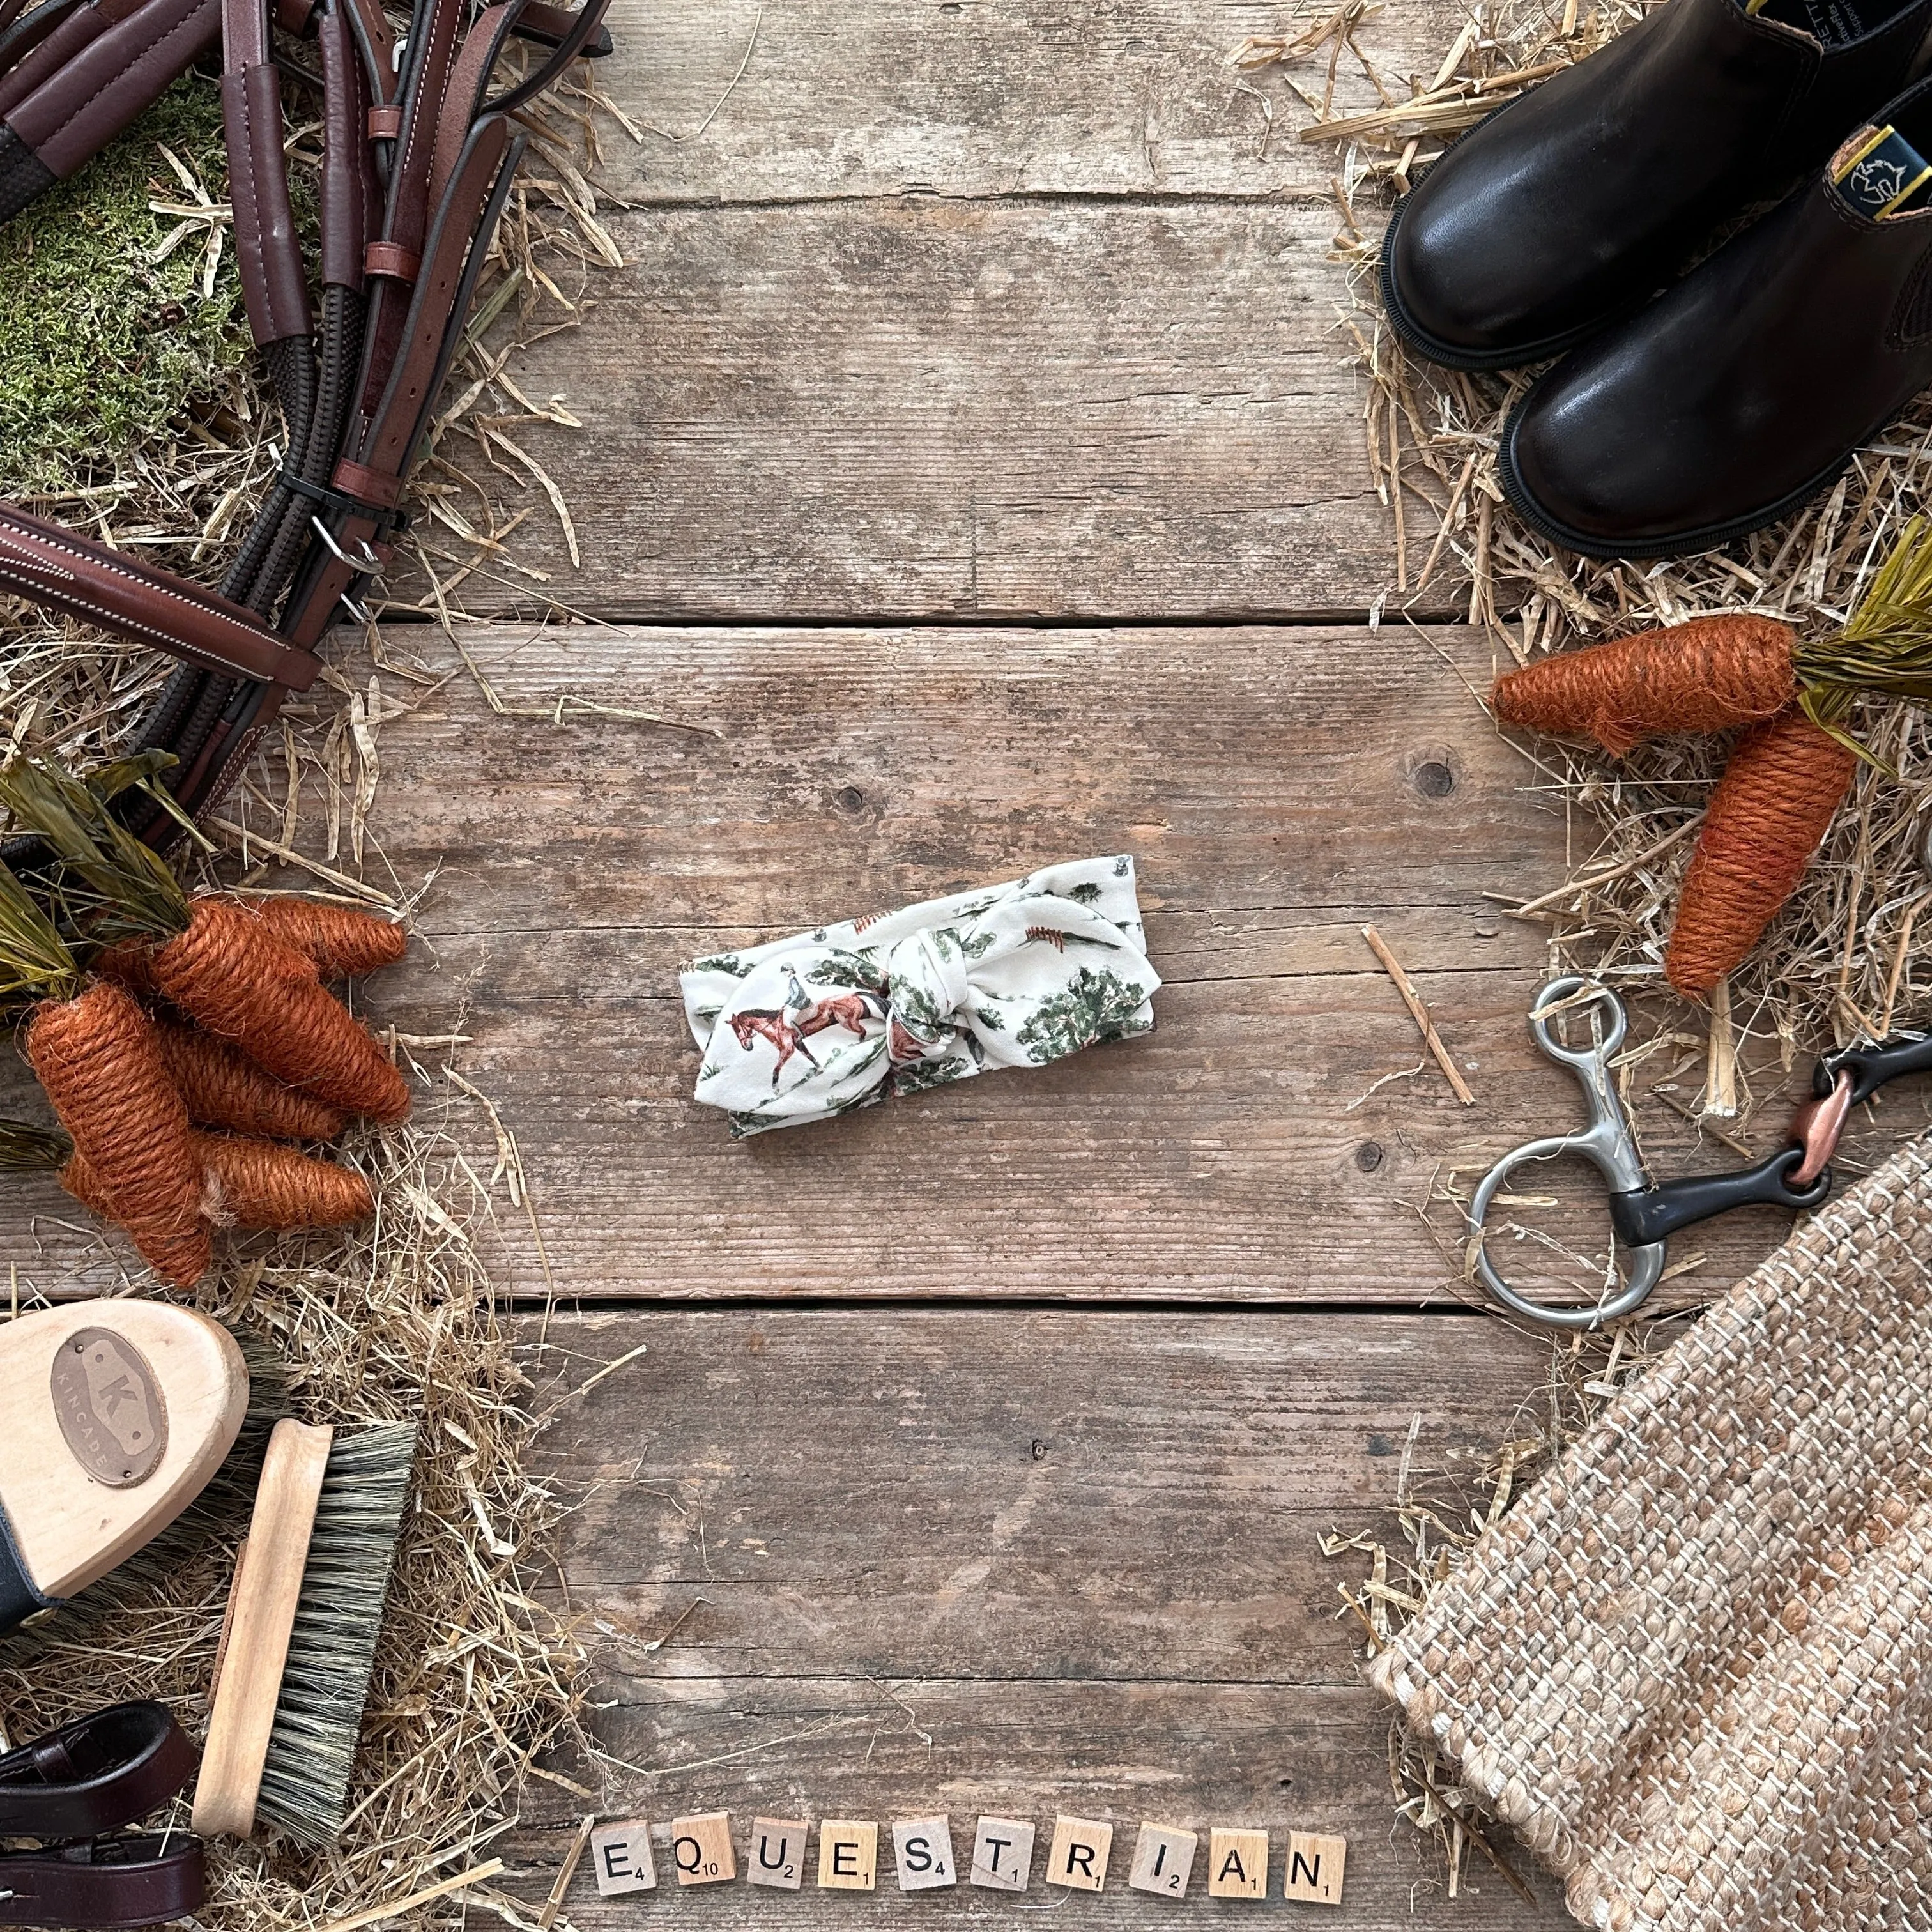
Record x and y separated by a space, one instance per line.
311 1755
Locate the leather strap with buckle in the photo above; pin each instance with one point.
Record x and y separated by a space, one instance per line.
74 1790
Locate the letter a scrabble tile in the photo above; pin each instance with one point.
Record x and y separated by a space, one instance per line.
848 1854
1237 1864
1315 1866
1003 1854
1078 1857
775 1855
1163 1856
700 1848
620 1855
922 1851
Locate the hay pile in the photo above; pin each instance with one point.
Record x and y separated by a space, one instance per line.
1838 965
166 450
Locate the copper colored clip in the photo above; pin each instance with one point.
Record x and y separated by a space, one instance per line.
1815 1127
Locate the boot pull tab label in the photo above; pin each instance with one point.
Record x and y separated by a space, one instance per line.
109 1406
1879 172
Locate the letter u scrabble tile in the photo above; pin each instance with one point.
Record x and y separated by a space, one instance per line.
1078 1857
775 1853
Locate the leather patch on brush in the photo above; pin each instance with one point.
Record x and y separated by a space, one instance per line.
109 1406
1878 174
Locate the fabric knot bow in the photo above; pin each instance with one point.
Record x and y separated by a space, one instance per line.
1010 975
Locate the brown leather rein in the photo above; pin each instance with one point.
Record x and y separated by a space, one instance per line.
418 159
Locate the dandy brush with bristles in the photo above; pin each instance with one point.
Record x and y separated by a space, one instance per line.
298 1652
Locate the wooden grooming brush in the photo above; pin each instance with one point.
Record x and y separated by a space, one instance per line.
114 1414
299 1647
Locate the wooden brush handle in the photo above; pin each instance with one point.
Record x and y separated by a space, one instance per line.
261 1613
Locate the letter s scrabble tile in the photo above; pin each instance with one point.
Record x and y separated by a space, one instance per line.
1316 1864
848 1854
1078 1856
922 1851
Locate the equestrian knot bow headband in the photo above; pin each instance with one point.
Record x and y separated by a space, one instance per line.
1016 975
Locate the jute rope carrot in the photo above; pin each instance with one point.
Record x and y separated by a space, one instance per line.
223 1087
95 1055
343 941
249 1182
1791 767
216 962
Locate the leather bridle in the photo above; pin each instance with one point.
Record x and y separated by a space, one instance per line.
418 158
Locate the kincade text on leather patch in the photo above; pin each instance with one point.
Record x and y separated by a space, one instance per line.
1882 174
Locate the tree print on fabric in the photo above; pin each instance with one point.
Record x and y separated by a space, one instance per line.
1095 1005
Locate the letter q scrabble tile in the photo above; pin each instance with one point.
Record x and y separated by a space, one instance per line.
700 1848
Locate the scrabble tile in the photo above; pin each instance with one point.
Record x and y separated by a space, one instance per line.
1163 1857
1079 1855
620 1855
1002 1854
1237 1864
775 1853
848 1854
1316 1865
700 1848
922 1851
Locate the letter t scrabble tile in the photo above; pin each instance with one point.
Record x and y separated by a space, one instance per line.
1316 1865
1003 1854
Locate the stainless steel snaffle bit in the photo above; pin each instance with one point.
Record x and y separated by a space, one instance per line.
1644 1216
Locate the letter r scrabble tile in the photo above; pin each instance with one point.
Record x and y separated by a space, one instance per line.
620 1855
775 1853
1237 1864
1078 1856
1163 1857
848 1854
1003 1854
700 1848
922 1851
1316 1864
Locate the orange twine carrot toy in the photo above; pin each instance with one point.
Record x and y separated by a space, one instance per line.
1794 762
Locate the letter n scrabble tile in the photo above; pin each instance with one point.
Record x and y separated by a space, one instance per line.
775 1854
700 1848
848 1854
1163 1857
1078 1857
922 1851
1237 1864
1316 1865
620 1855
1003 1854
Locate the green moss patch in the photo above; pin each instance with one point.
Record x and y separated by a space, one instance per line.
102 347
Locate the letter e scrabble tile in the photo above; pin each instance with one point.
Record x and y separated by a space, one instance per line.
620 1855
1003 1854
1163 1857
1315 1866
848 1854
922 1851
700 1848
1078 1856
775 1855
1237 1864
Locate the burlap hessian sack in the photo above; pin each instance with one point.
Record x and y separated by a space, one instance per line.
1690 1666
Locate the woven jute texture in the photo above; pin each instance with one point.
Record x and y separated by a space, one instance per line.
1690 1667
